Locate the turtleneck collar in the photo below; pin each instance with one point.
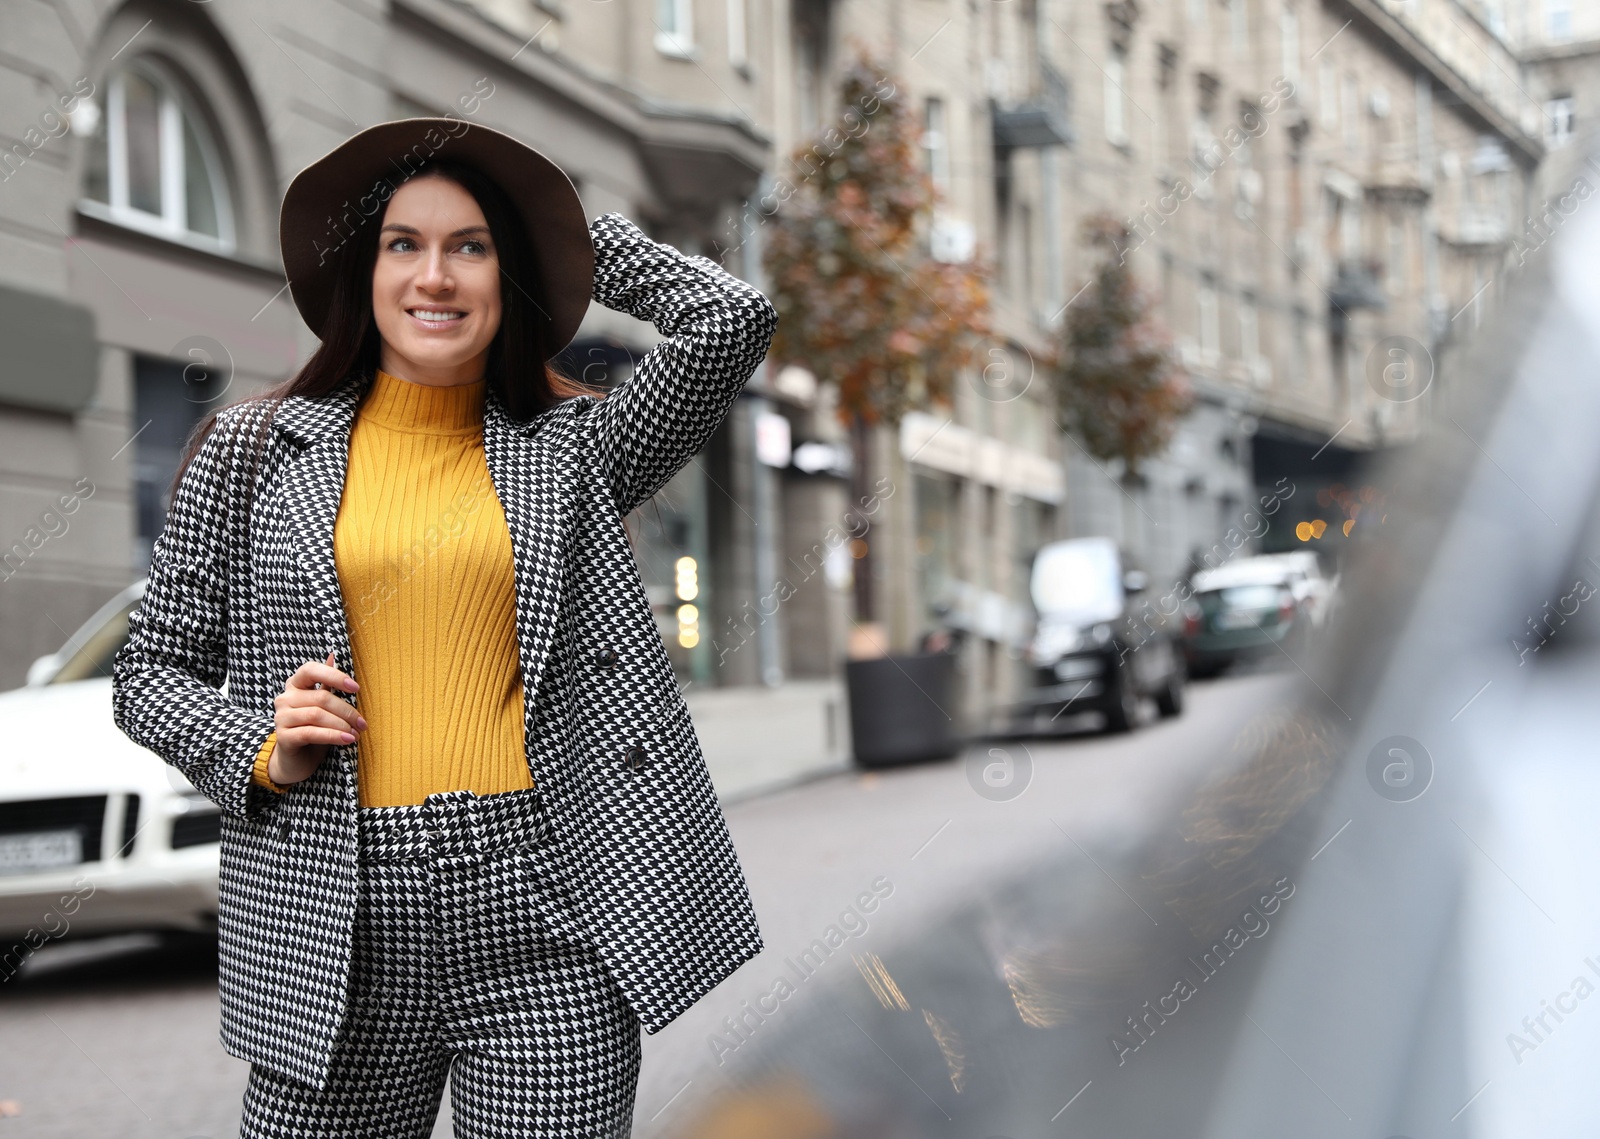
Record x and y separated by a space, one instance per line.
426 408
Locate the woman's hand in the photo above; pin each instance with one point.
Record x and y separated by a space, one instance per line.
310 719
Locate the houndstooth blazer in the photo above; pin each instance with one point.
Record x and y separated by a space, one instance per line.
647 864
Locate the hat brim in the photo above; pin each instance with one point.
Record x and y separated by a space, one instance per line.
329 201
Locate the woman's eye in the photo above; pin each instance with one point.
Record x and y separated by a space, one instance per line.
401 245
477 248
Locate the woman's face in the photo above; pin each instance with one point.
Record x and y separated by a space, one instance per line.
436 284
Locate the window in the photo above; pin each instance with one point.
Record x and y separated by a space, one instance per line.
1025 266
1197 12
1289 37
1327 96
1300 335
1249 330
1247 181
1033 524
153 166
1496 17
1350 112
738 43
170 397
1396 270
1559 116
1030 426
938 537
1239 25
935 143
1349 229
1206 153
1424 89
808 41
1558 18
1116 119
1166 109
1210 331
675 27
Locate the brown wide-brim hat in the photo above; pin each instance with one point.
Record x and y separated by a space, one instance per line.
347 188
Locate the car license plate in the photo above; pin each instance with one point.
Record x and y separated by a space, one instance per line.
43 850
1076 668
1234 619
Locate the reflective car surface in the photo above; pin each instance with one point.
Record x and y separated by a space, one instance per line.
1374 915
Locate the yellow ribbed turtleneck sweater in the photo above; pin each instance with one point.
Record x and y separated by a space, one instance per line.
425 568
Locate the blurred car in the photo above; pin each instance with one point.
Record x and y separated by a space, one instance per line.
1246 610
97 835
1302 571
1091 650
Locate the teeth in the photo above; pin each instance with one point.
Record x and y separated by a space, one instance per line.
436 317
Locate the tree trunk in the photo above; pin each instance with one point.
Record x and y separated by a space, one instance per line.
861 491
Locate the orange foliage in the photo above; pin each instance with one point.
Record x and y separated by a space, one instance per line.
859 300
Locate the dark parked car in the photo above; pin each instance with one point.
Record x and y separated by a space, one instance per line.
1094 649
1243 611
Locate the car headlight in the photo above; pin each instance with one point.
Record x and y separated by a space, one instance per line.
1053 642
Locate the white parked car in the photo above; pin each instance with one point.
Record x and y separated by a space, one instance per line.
97 834
1297 570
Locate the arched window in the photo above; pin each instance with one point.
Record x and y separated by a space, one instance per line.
153 165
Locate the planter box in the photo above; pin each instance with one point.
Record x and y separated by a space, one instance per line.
901 708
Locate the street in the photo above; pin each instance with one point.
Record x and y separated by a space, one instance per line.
120 1038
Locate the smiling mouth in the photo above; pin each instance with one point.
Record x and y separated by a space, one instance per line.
437 317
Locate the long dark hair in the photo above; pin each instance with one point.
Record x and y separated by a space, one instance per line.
518 370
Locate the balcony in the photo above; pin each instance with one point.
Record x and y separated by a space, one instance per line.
1355 285
1044 119
1397 180
1479 225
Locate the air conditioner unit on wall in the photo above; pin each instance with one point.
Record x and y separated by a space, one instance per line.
952 239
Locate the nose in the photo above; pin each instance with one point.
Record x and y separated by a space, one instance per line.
433 276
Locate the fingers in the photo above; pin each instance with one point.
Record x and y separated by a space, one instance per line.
324 674
303 700
316 724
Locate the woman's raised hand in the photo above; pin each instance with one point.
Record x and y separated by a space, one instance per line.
310 719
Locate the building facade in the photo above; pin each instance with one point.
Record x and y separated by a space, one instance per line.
145 151
1320 193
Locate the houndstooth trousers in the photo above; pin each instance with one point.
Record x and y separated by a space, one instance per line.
467 963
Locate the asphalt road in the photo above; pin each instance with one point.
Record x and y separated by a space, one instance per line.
120 1037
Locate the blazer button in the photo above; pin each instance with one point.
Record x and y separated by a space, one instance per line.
284 831
634 757
606 658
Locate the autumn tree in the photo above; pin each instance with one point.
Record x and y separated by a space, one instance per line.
1118 388
861 302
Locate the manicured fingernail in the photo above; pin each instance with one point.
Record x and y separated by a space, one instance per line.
347 737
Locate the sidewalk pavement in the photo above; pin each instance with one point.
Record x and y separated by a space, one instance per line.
757 740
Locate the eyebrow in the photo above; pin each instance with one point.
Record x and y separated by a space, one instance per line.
411 229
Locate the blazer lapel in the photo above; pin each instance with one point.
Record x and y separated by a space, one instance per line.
533 492
312 487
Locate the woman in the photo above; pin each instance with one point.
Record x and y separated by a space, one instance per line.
467 828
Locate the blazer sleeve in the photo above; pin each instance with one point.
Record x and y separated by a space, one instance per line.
717 330
167 677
